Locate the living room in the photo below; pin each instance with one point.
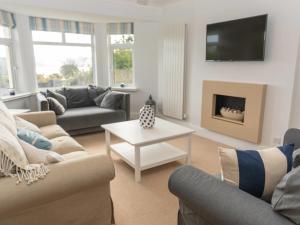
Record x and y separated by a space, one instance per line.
146 113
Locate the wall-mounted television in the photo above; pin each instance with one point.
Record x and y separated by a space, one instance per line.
237 40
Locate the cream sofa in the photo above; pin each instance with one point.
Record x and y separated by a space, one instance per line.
75 192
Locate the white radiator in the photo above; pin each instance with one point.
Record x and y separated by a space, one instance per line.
172 70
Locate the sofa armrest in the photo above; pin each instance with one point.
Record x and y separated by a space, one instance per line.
219 203
64 179
43 103
125 105
40 119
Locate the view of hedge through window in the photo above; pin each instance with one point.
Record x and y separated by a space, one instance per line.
122 58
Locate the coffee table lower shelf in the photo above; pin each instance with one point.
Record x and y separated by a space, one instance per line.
150 155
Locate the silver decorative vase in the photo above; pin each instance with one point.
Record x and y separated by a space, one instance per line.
147 117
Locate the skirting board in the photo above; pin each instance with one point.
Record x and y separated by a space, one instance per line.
223 139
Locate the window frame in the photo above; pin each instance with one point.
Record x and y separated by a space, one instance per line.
111 48
10 43
64 43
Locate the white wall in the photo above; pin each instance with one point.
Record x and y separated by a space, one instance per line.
295 109
24 54
145 62
278 69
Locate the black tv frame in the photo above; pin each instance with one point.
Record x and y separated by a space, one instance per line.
241 60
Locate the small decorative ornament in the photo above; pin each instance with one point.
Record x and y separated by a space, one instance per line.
147 117
152 103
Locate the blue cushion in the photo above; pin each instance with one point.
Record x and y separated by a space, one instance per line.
256 172
34 139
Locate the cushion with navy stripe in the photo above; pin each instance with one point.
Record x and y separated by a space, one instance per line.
256 172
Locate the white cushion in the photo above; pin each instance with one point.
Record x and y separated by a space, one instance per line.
7 119
21 123
13 160
11 148
6 112
38 156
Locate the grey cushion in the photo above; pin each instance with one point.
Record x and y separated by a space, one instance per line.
296 157
78 97
95 91
61 91
93 116
98 100
286 197
55 106
59 97
112 100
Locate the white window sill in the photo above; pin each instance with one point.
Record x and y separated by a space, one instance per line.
16 96
125 89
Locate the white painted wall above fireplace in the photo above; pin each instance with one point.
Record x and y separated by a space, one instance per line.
277 71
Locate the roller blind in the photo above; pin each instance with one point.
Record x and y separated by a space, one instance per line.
7 19
56 25
120 28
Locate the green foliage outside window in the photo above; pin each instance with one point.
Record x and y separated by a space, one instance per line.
122 59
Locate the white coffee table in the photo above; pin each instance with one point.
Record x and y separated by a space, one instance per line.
146 148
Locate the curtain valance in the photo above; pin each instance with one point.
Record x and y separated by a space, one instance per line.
7 19
56 25
120 28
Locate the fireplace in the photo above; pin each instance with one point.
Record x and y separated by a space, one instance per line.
229 108
234 109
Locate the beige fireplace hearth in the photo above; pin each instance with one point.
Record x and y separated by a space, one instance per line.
234 109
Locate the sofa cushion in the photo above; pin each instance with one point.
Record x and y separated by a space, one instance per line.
55 106
112 100
35 139
296 158
65 144
53 131
21 123
78 97
7 119
13 160
286 197
39 156
88 117
95 91
98 100
256 172
74 155
59 97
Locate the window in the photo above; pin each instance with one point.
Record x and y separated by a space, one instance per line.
63 59
6 60
121 59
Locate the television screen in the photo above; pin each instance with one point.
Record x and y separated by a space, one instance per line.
237 40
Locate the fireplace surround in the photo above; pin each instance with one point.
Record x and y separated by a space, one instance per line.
243 104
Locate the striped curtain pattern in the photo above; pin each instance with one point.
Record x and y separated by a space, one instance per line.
7 19
120 28
55 25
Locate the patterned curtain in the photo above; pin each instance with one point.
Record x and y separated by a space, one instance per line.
7 19
55 25
120 28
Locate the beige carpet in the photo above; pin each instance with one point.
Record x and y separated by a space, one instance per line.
150 202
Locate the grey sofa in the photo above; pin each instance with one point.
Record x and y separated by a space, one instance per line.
206 200
86 117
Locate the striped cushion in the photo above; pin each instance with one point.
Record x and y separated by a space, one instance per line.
256 172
